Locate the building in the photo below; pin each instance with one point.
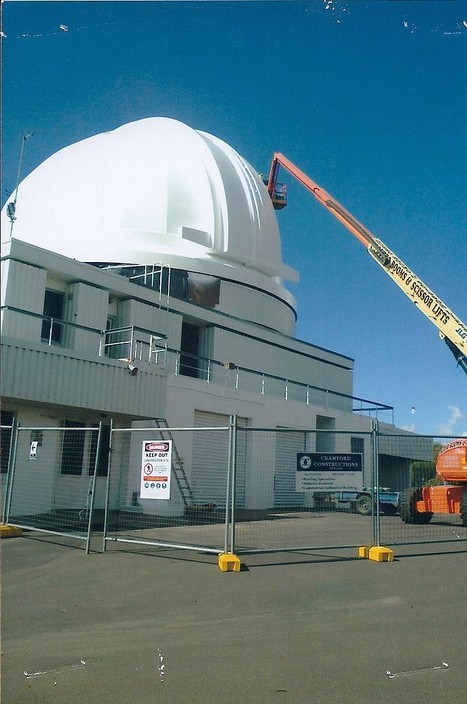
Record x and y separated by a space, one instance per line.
143 278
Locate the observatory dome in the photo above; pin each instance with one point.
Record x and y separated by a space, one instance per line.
154 190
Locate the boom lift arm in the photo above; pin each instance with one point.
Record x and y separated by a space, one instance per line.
450 327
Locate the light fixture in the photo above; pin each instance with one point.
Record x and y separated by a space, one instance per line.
132 369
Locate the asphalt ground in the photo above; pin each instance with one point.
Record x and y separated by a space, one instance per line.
148 625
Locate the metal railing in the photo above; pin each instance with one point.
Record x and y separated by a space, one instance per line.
127 343
131 343
246 379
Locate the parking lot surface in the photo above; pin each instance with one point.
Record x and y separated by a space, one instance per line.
158 625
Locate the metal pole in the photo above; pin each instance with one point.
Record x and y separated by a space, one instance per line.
233 464
13 208
92 489
228 490
375 485
11 470
107 489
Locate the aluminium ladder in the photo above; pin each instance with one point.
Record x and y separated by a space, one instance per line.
177 464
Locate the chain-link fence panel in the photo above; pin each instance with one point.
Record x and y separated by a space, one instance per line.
304 490
169 487
51 486
432 476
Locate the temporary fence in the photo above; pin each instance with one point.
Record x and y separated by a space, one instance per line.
439 519
289 503
157 487
226 488
242 489
51 480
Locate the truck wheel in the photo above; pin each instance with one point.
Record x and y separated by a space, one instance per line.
364 505
408 509
464 509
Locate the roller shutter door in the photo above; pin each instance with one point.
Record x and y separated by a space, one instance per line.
287 446
210 460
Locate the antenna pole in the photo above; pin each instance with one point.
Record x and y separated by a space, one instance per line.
11 207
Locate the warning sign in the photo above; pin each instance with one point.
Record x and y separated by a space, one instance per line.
156 469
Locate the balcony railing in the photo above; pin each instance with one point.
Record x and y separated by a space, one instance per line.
226 374
131 343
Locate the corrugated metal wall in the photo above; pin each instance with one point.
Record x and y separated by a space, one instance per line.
57 378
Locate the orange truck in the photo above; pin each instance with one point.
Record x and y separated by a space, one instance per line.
418 504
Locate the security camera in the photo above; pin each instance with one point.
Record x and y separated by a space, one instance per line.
133 370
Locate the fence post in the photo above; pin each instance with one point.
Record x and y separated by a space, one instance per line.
228 489
233 472
92 489
10 472
376 519
107 489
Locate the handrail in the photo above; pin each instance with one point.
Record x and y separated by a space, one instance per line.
213 371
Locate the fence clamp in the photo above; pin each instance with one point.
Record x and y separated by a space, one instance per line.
228 562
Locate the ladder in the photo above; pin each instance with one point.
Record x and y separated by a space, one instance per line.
177 464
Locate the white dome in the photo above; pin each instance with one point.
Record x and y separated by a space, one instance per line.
154 190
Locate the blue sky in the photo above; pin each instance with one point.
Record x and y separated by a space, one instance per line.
368 98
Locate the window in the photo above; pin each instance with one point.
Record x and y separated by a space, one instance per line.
189 350
357 445
103 459
73 448
325 441
5 439
53 308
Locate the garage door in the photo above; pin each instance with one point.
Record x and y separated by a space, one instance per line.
287 445
210 460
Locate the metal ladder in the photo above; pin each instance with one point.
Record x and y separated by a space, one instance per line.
177 464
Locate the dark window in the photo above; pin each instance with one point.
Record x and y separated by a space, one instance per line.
325 441
103 458
189 350
356 445
53 308
5 439
173 282
73 448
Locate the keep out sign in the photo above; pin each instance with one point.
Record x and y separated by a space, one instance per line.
156 469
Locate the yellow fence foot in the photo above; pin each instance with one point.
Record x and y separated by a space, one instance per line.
380 554
10 531
376 553
228 562
364 551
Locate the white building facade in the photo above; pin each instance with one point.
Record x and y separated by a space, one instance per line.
142 278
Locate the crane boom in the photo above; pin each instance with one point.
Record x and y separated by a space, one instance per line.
450 327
